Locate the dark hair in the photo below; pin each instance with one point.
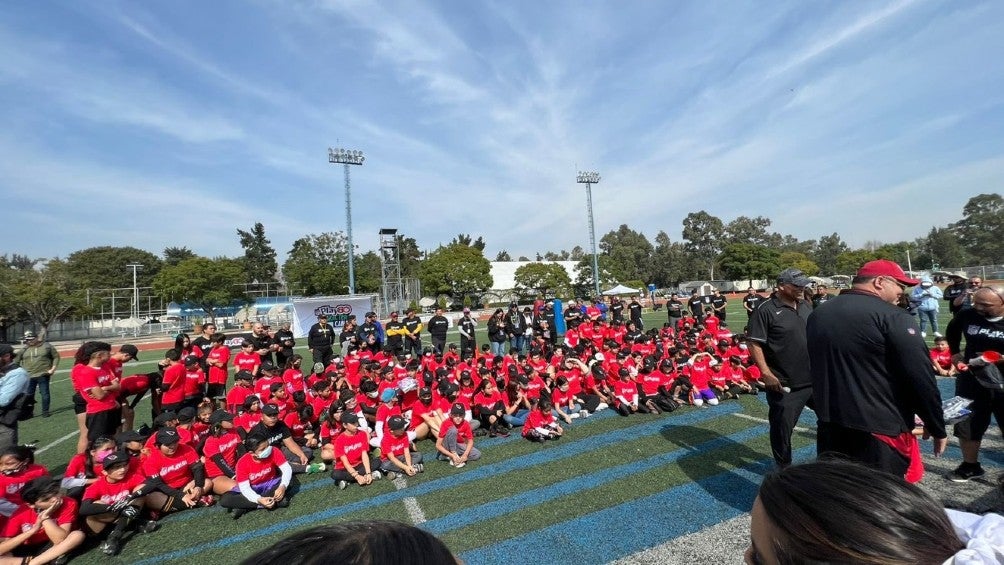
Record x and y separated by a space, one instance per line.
37 489
172 355
87 350
361 543
836 511
179 341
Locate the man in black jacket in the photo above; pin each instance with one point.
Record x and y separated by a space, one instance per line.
438 326
871 373
320 339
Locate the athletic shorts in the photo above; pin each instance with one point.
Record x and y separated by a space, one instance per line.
103 424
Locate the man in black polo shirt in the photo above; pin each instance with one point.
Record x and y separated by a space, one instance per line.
634 309
871 374
616 309
777 345
983 327
438 326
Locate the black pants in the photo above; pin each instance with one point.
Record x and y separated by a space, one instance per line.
467 344
322 355
834 439
439 344
785 408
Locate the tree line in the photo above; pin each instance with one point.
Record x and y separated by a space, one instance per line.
44 290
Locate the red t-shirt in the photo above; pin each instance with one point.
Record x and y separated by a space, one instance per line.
11 485
417 409
383 413
236 396
24 518
193 382
352 447
257 471
133 384
395 445
464 432
650 382
77 467
537 419
329 432
627 390
244 361
297 427
488 401
183 433
174 380
248 420
113 366
293 379
942 359
218 375
225 445
87 378
109 493
175 470
263 388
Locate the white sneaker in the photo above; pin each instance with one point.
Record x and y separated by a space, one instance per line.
377 475
342 485
584 413
452 464
573 416
923 334
601 406
938 334
461 464
391 475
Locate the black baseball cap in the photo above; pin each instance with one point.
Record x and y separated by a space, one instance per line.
191 360
186 415
168 436
270 410
457 410
396 423
220 416
267 366
350 418
165 417
131 349
244 376
114 460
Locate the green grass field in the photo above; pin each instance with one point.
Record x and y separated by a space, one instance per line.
605 470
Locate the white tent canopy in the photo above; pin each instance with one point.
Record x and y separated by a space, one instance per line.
620 289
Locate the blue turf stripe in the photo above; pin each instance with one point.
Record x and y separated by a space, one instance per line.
638 524
578 484
482 471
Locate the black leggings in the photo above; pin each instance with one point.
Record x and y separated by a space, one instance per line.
237 500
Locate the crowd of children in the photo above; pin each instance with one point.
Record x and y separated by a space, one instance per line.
364 415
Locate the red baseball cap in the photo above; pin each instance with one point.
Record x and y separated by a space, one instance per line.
886 268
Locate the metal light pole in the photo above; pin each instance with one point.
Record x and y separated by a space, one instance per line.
589 178
135 295
348 157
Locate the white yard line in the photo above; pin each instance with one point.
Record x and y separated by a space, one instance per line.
45 448
766 421
414 510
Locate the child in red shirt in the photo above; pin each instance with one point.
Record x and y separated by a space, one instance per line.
116 498
247 359
43 528
352 460
396 455
456 439
263 475
941 358
218 362
540 424
242 389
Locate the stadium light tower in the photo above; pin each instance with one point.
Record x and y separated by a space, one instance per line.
348 157
135 296
589 178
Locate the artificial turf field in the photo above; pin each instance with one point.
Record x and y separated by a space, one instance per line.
611 487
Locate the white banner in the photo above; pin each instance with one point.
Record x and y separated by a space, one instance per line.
338 309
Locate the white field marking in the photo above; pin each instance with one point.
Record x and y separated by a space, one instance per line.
414 510
766 421
45 448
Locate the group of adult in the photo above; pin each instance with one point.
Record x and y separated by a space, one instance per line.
859 360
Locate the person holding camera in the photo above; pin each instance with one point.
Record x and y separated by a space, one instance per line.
41 360
965 300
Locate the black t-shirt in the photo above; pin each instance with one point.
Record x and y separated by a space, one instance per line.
751 301
203 343
635 309
438 326
780 331
952 292
981 334
320 336
274 435
718 301
696 304
617 310
674 308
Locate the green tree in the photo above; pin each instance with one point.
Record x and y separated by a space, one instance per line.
259 255
105 267
829 248
630 253
503 256
750 230
368 272
800 261
175 255
317 264
18 262
546 279
410 256
746 261
465 239
981 227
583 284
943 247
703 233
849 262
457 270
42 295
208 283
668 262
576 254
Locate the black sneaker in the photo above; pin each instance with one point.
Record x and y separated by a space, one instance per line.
110 546
149 526
966 471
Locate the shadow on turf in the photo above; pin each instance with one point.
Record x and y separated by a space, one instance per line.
730 488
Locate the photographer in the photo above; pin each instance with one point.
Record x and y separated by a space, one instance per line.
965 300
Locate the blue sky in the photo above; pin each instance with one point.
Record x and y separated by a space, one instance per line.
159 124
